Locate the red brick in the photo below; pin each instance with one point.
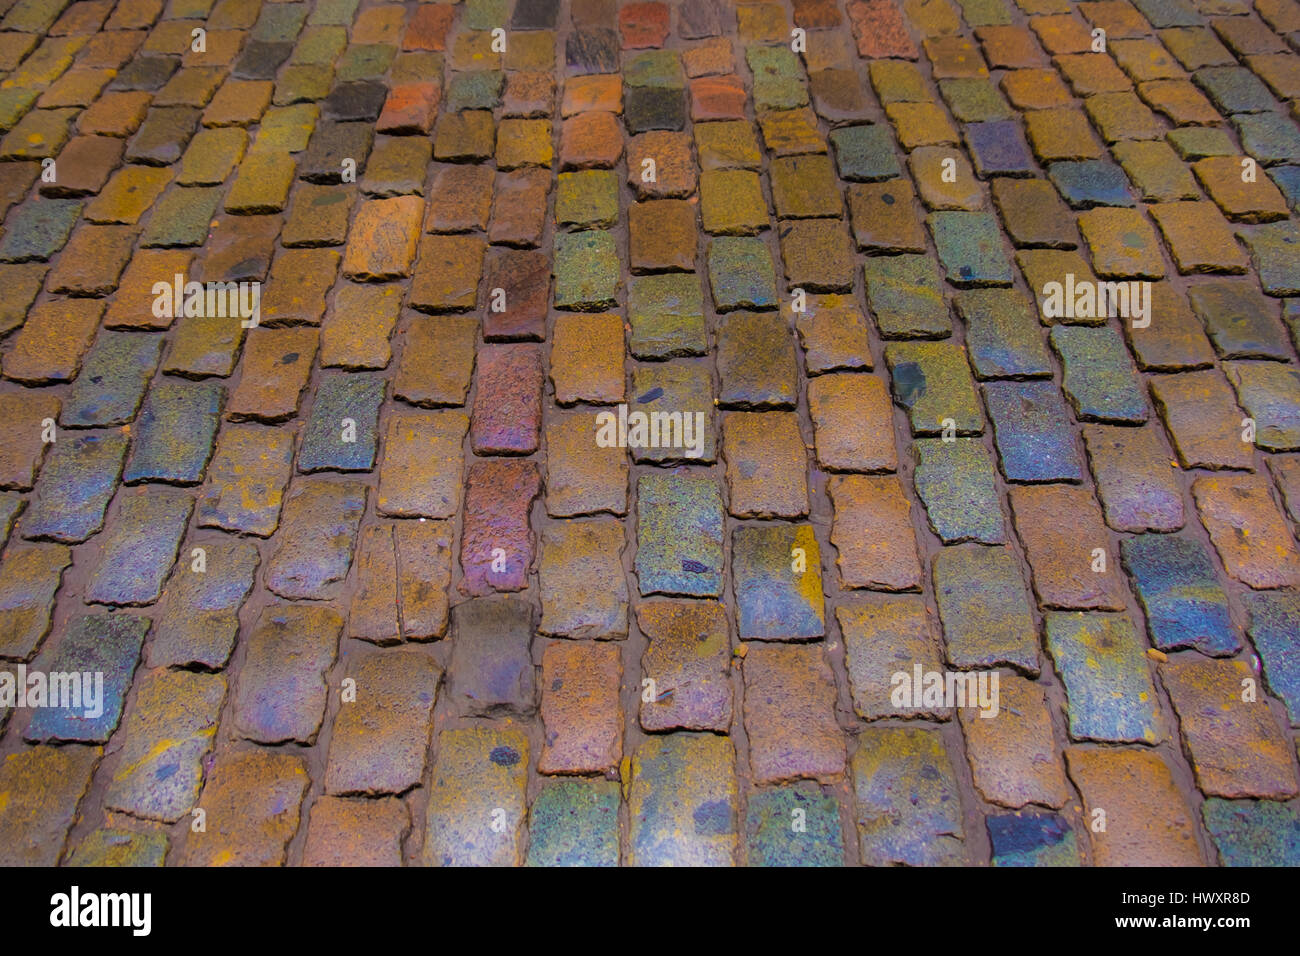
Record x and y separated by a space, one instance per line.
507 415
498 497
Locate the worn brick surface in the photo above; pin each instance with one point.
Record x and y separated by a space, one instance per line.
402 569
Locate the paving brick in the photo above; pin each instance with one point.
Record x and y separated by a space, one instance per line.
1107 680
818 255
1240 322
420 471
756 361
1156 171
50 346
316 535
908 802
587 359
246 480
167 733
793 825
43 787
496 549
108 647
342 431
687 661
1251 832
281 695
1268 393
574 823
682 801
955 480
580 708
840 405
1286 472
1198 237
1136 829
506 418
679 535
984 606
879 29
682 389
1203 420
662 235
107 846
585 270
591 140
1247 529
200 618
777 581
804 186
24 282
447 275
24 447
789 714
352 832
479 778
383 239
587 198
875 225
1237 748
766 470
491 670
436 359
140 547
583 587
92 261
1034 213
1122 244
581 476
931 380
523 276
1013 756
873 533
1061 528
666 313
1032 429
276 366
1131 466
833 332
74 488
1098 378
1002 334
1091 183
252 802
885 636
380 740
1273 616
1271 251
403 572
1032 838
1056 134
1185 604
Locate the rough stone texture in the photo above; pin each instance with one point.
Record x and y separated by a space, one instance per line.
833 254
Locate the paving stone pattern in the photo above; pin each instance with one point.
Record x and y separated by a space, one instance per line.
637 389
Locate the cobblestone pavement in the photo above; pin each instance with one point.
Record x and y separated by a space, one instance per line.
967 329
